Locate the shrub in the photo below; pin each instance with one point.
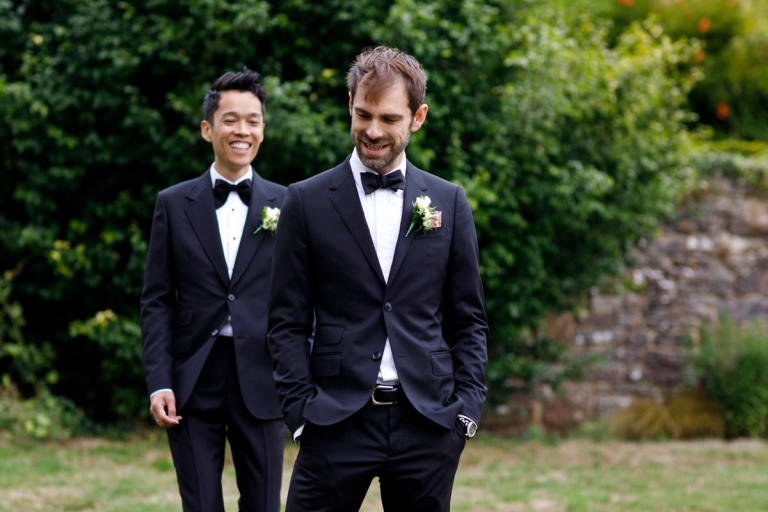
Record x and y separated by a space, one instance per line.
44 416
731 364
569 150
733 97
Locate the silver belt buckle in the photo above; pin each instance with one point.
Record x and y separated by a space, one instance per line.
373 395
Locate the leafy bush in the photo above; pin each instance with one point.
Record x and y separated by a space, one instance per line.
43 417
733 97
731 364
569 150
738 159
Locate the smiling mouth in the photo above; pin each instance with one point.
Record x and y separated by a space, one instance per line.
240 145
374 147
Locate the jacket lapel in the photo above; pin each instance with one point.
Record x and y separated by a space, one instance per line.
345 199
261 196
414 187
202 215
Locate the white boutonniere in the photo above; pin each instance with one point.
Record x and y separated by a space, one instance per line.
425 217
269 218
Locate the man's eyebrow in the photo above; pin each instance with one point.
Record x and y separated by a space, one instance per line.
236 114
361 110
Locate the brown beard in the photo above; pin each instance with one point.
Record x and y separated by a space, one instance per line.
383 161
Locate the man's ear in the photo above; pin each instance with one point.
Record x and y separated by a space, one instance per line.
419 117
350 103
205 130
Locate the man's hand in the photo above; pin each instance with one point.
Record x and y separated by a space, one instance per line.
163 409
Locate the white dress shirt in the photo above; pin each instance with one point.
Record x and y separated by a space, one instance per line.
231 217
383 211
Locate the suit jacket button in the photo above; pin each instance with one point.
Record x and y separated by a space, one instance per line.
376 356
215 332
387 306
231 297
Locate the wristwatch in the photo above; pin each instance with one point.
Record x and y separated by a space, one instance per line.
470 427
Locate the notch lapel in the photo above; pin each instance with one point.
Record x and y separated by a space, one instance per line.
261 196
346 200
414 187
202 215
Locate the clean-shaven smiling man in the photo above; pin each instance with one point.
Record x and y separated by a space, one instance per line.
204 312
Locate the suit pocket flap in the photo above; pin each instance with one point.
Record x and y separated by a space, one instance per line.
328 335
325 365
442 363
183 317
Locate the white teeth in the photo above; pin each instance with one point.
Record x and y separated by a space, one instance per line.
240 145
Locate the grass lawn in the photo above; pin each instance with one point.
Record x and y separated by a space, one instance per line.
495 475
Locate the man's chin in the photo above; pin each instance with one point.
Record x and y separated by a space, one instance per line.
374 163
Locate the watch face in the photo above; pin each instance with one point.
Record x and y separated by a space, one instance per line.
471 429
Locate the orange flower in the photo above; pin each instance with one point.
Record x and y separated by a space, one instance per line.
626 3
723 110
704 25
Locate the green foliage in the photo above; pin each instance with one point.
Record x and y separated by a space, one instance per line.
43 417
733 97
19 361
569 150
753 169
100 103
731 364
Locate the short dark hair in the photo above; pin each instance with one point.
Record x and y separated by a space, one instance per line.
246 81
379 69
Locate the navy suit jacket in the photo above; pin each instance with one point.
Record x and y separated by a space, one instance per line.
188 294
326 269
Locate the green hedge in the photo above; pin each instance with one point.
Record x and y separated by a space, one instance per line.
569 149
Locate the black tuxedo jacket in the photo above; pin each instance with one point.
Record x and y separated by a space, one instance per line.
325 268
188 294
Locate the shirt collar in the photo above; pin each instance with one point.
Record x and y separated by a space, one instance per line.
216 176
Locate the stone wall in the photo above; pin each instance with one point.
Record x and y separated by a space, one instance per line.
712 259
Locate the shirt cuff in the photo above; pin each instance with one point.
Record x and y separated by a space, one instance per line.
298 432
160 391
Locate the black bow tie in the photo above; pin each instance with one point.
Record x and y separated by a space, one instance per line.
222 189
374 181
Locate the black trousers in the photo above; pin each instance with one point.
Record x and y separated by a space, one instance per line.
216 412
414 458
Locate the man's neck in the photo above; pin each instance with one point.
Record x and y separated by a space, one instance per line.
229 174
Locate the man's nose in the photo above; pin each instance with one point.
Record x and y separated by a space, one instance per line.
374 130
241 128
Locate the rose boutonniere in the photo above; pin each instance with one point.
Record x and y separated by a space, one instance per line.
269 217
425 217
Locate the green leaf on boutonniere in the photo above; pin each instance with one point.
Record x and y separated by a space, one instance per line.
424 216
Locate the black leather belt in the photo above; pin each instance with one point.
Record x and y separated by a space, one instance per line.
387 395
